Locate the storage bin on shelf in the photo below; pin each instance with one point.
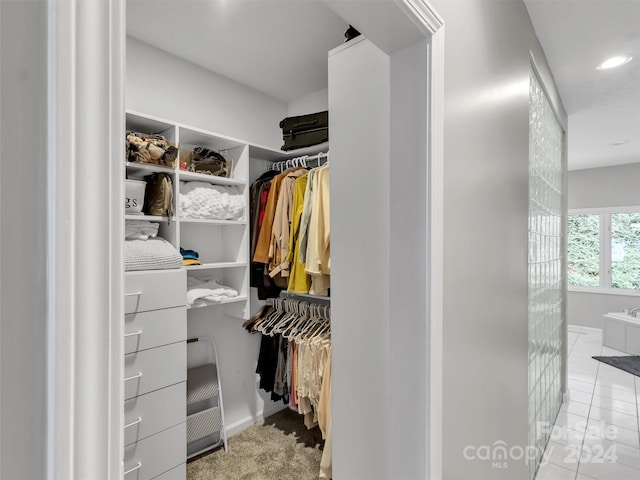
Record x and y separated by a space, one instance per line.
134 196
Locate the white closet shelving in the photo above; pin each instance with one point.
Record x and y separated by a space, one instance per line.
222 245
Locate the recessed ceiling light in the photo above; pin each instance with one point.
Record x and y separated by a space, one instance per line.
614 62
618 143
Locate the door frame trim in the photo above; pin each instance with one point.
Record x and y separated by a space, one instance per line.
86 62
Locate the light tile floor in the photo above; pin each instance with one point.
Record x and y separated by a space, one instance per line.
597 432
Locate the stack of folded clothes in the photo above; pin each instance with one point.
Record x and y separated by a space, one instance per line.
189 257
207 291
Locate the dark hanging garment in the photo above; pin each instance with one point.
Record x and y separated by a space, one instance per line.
259 276
268 362
280 387
260 279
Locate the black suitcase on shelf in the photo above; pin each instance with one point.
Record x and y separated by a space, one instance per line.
305 130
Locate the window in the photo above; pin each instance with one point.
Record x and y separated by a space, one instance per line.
583 244
603 249
625 250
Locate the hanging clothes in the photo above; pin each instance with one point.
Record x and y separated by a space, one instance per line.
294 358
299 280
264 237
325 421
290 216
318 246
294 363
259 274
280 247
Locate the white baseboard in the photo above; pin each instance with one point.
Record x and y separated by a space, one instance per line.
246 422
581 329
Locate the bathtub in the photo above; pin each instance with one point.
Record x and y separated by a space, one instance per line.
622 332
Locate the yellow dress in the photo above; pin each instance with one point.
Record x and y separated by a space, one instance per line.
299 280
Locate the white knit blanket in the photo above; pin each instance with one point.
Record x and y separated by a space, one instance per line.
201 292
203 200
152 254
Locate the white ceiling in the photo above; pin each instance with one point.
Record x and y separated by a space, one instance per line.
287 42
603 106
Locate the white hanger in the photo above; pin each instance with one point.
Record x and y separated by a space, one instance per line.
266 326
303 309
291 309
311 325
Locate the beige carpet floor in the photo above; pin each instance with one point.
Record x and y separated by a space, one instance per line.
278 448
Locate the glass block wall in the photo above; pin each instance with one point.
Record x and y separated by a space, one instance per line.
546 322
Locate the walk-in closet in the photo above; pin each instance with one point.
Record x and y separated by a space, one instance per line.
269 279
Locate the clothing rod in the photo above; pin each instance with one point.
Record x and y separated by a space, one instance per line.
302 161
307 297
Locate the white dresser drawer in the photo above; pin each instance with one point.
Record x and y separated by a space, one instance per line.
157 454
153 412
155 368
144 330
153 290
177 473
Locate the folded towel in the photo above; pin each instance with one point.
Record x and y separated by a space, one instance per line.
140 230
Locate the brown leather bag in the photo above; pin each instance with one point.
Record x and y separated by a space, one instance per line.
209 162
158 198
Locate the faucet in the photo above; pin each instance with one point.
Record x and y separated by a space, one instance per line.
634 312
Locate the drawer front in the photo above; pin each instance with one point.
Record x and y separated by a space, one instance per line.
177 473
156 455
149 414
155 368
154 290
144 330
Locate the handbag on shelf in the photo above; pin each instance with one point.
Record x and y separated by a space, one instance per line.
209 162
152 149
158 199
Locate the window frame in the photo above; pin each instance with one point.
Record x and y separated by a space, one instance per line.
604 286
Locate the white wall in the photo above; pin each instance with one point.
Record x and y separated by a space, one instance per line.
244 402
616 186
314 102
161 84
409 428
360 252
587 309
485 396
378 117
23 237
